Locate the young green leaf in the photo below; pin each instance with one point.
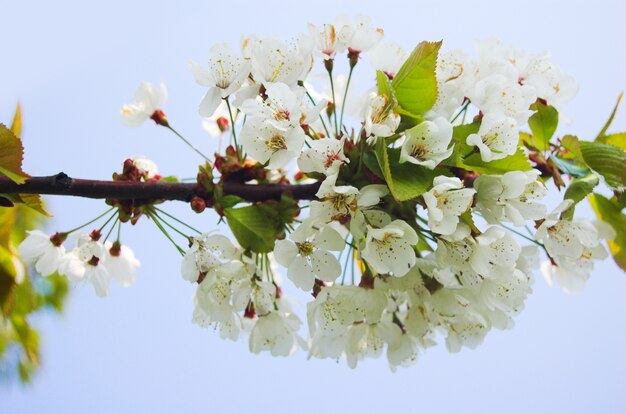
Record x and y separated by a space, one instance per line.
518 161
16 125
415 84
11 154
543 124
602 135
577 190
251 228
608 211
617 140
405 181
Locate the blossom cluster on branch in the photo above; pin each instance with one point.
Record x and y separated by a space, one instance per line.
429 180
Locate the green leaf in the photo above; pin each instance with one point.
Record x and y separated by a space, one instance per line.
465 156
170 179
543 124
32 201
602 135
415 83
516 162
607 160
577 190
461 149
251 228
384 85
371 162
16 125
405 181
617 140
610 212
572 144
571 167
11 154
230 200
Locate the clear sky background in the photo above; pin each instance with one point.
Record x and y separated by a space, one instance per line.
72 64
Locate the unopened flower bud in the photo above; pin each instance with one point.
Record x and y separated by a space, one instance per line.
222 123
198 204
159 118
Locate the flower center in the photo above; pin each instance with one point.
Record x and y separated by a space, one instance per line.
419 151
305 248
276 143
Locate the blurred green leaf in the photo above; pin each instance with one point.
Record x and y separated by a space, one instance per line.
16 125
607 160
602 135
617 140
609 211
11 154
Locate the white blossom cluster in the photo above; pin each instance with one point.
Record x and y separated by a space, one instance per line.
454 268
89 261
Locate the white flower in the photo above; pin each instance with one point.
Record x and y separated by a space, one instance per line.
497 138
42 251
496 253
427 143
453 76
325 40
226 73
277 333
342 202
325 156
335 309
147 168
212 300
308 256
121 263
391 249
219 122
358 35
387 57
146 104
445 202
566 237
280 108
363 341
499 96
206 254
258 293
510 197
548 81
87 262
380 120
275 61
266 143
572 260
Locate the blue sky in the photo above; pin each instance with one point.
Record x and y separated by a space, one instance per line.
72 64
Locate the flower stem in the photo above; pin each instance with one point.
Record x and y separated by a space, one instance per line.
117 220
332 89
461 111
232 129
90 221
189 144
345 95
321 118
165 233
177 220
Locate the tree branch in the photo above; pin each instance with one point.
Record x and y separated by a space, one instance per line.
61 184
